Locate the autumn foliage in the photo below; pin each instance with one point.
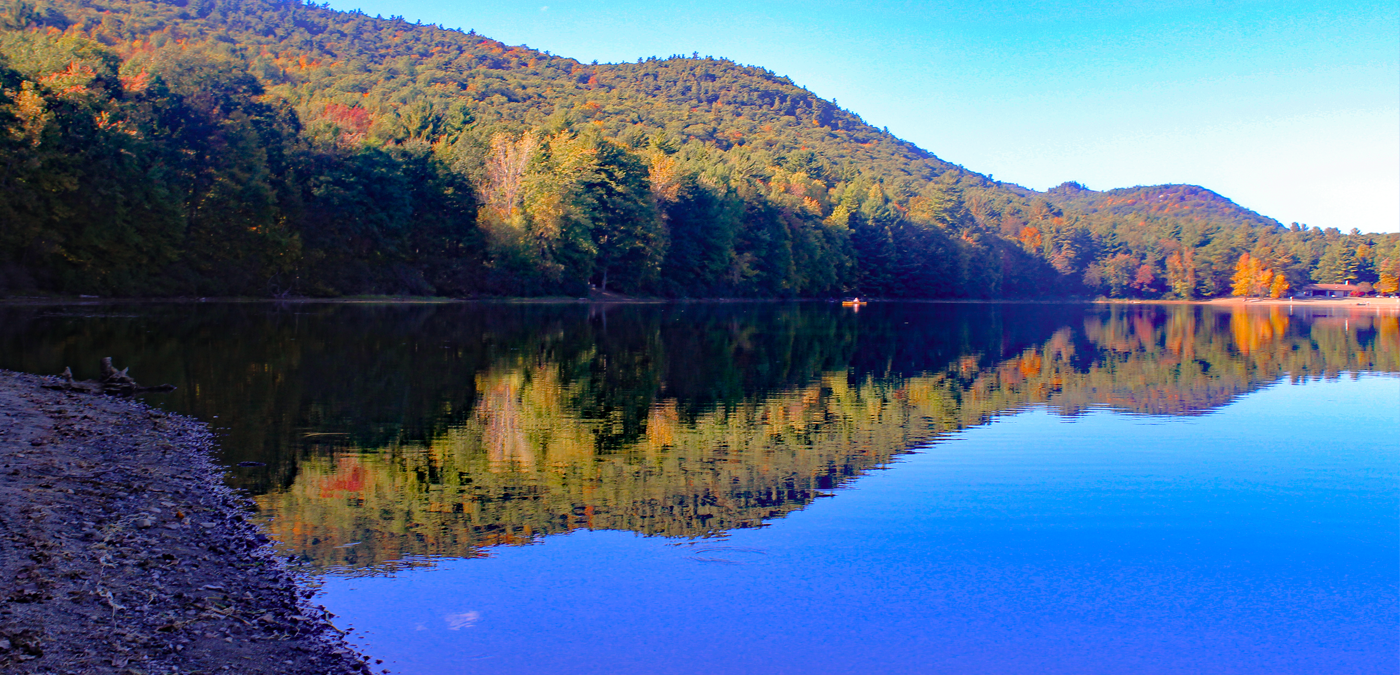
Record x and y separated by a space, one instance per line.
272 147
1252 279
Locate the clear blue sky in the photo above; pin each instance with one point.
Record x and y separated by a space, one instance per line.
1289 108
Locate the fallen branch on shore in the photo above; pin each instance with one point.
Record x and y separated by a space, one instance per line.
114 382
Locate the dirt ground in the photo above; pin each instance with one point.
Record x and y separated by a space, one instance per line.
121 551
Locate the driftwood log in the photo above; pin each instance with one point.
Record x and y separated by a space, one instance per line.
114 382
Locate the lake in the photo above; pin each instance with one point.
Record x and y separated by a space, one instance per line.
801 487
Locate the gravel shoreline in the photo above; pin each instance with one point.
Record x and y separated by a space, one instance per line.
121 550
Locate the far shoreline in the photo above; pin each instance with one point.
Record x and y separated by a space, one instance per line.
618 299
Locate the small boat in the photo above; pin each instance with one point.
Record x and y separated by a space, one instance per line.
853 302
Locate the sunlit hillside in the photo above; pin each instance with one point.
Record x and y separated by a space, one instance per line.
271 147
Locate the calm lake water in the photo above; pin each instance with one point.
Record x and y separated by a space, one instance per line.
800 488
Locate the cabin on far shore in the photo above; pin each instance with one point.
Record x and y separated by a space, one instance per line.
1333 290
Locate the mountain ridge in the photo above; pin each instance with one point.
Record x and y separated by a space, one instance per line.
1164 199
690 175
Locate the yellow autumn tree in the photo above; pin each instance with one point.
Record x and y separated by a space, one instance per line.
1388 284
503 178
664 172
549 189
1279 287
840 218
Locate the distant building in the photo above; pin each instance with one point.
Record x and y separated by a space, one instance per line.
1330 290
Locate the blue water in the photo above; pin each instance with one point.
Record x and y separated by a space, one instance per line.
1263 537
925 504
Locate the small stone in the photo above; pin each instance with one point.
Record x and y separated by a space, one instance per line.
145 523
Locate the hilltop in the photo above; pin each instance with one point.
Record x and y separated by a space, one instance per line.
1178 201
270 147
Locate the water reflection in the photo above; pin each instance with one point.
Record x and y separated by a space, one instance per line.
394 434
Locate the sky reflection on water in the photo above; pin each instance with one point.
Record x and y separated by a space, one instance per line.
1260 538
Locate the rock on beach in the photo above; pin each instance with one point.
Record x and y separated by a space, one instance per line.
121 551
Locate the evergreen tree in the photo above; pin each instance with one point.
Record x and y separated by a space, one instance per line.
1337 265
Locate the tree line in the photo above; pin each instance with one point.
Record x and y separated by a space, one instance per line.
272 148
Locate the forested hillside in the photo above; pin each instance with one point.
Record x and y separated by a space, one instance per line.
268 147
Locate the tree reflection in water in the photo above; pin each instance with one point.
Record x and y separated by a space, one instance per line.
441 430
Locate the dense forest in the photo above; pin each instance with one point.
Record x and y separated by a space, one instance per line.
274 148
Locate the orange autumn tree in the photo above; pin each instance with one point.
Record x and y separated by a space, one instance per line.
1252 279
1030 238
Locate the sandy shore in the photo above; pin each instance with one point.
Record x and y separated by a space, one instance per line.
1369 303
1391 304
122 552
